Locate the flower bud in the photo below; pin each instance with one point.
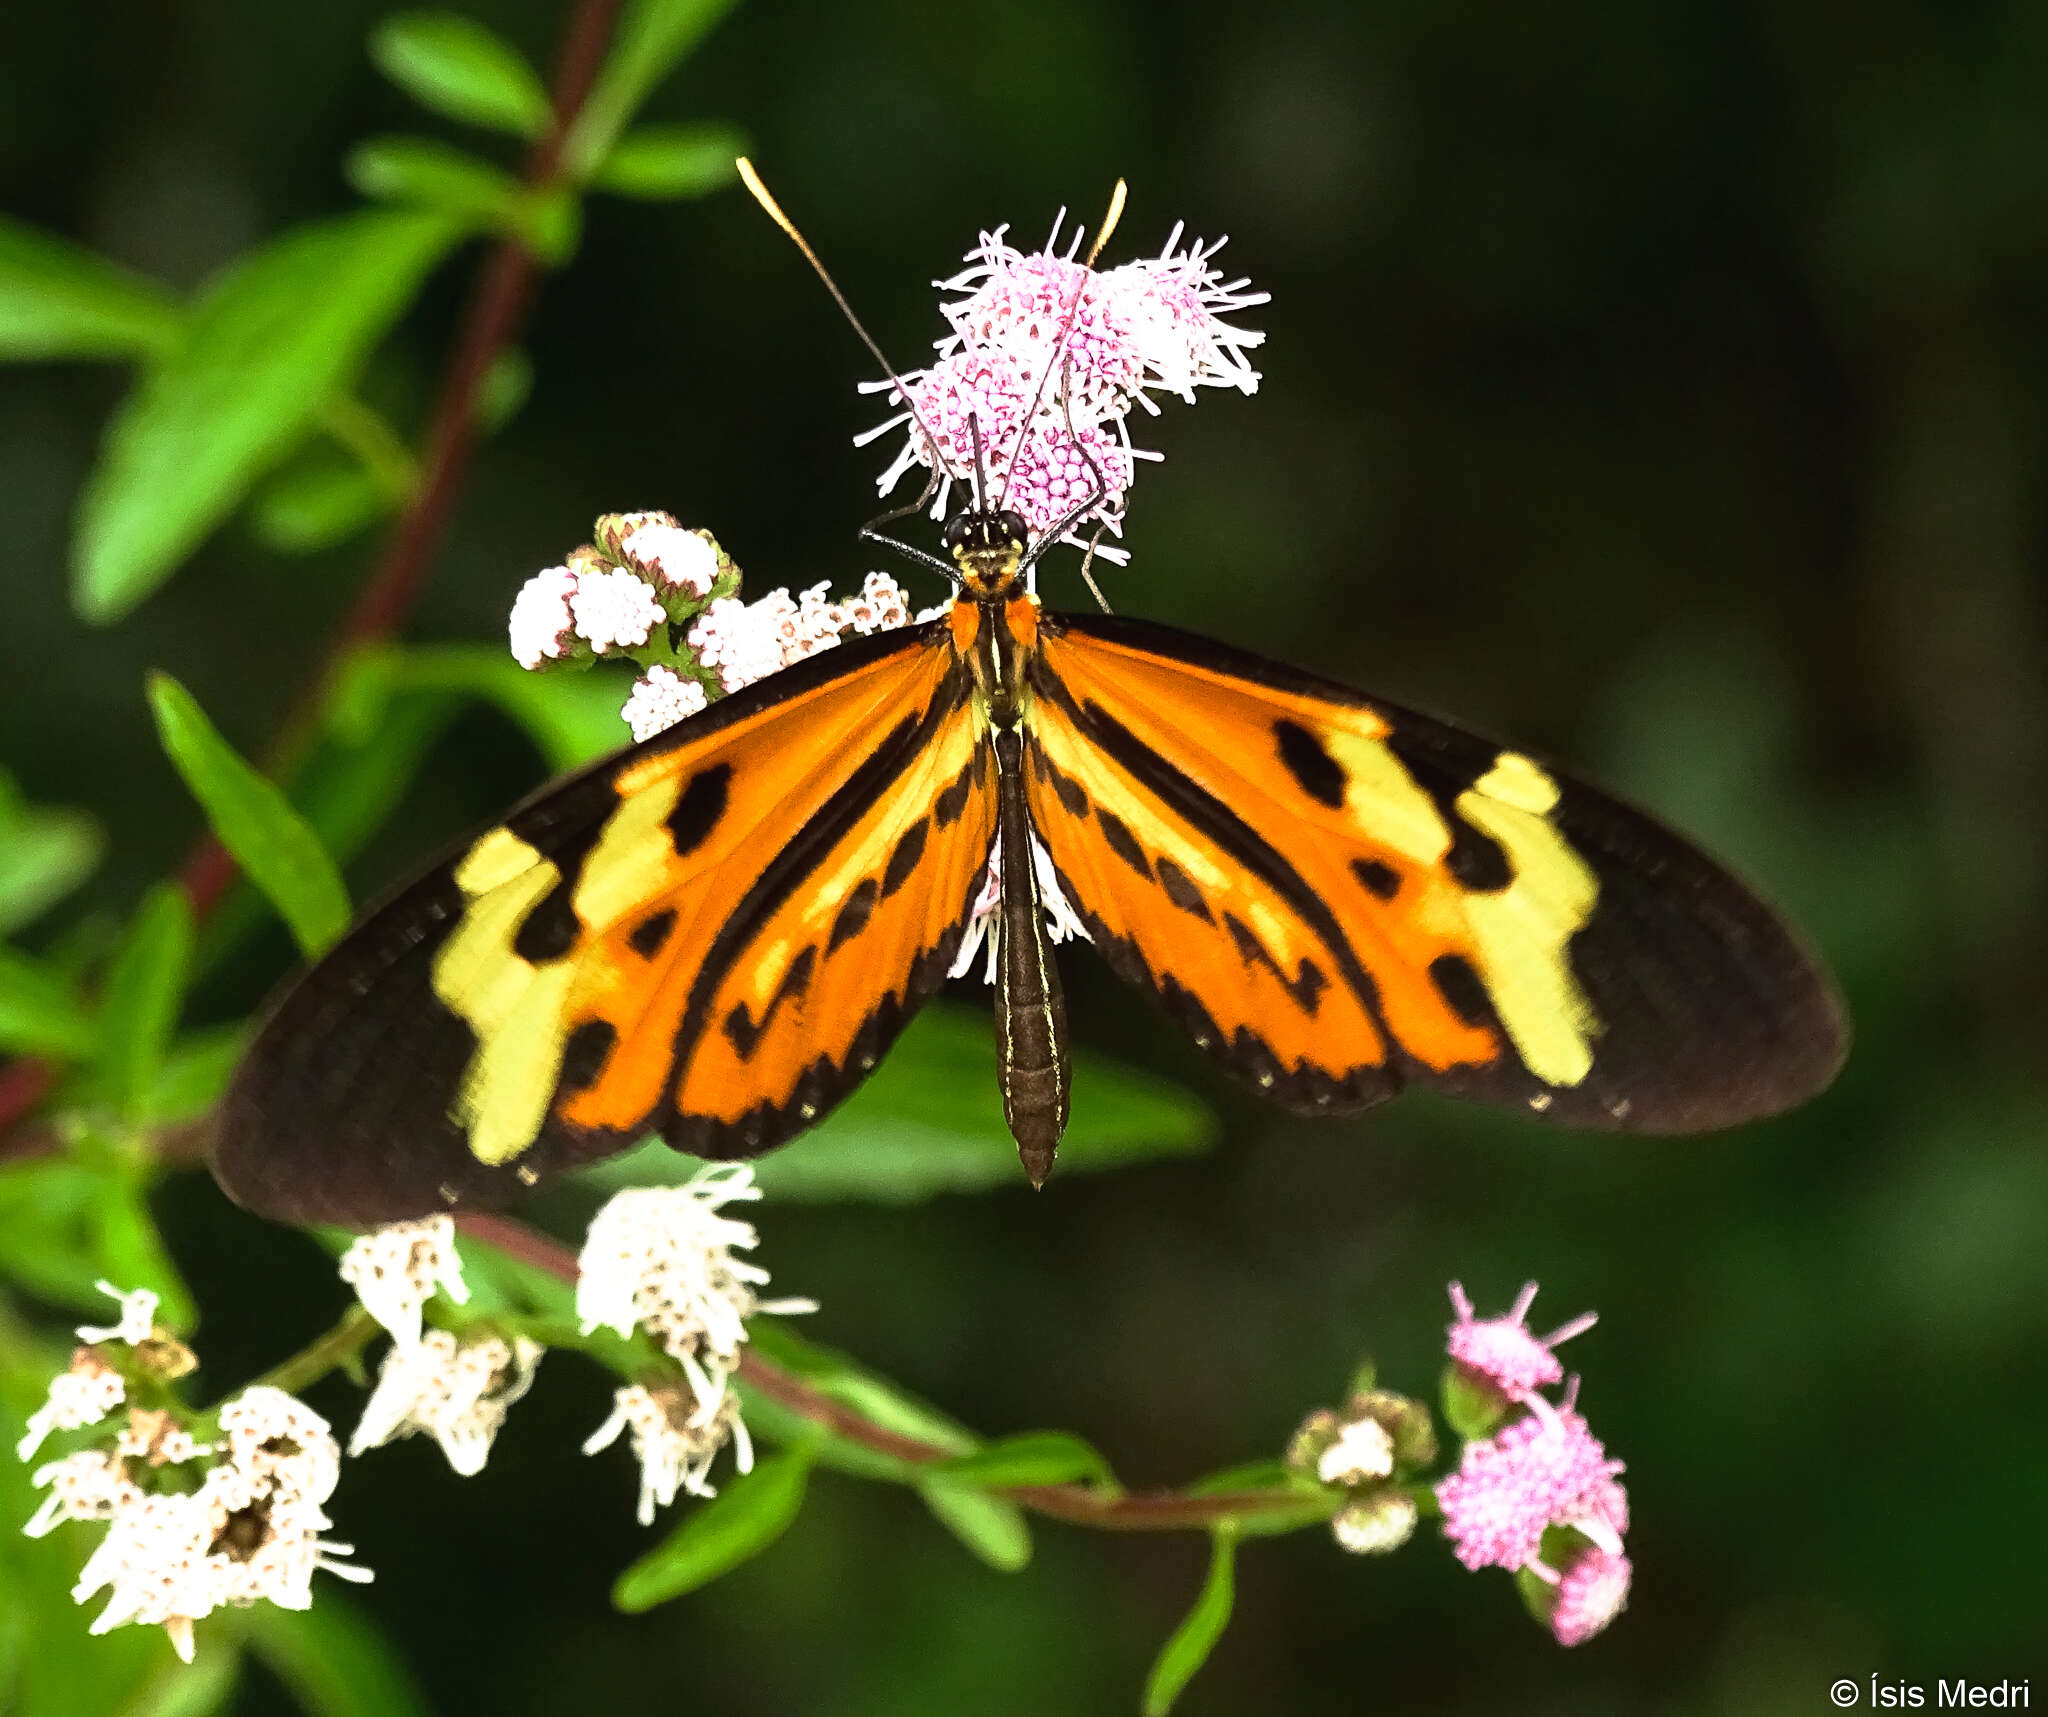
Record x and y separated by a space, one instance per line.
1375 1522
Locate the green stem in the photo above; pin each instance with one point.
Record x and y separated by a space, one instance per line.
325 1353
368 434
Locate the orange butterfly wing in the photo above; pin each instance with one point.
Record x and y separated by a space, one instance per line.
712 935
1335 895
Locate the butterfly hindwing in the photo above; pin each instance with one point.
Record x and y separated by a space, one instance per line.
1336 896
708 935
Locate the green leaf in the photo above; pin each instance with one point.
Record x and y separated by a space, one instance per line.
573 718
1473 1407
144 991
716 1536
992 1529
194 1074
267 345
188 1689
930 1120
50 1231
663 162
316 504
333 1659
1029 1458
1192 1642
653 38
39 1015
44 854
253 819
59 300
455 66
133 1255
437 175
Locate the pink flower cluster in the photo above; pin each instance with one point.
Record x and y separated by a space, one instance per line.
1047 408
1542 1470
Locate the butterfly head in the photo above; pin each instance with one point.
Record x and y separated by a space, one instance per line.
987 545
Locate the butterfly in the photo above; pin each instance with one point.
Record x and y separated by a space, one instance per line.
715 934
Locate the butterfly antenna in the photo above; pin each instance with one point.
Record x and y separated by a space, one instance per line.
1109 220
980 471
773 209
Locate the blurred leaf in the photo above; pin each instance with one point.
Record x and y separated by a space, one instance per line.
45 852
573 718
144 991
317 503
652 39
189 1689
991 1527
267 344
497 1281
132 1252
1192 1642
65 1224
59 300
194 1074
253 819
717 1535
455 66
436 175
661 162
1032 1457
39 1015
930 1120
334 1659
50 1233
504 390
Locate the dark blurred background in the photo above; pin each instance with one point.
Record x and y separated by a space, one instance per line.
1662 386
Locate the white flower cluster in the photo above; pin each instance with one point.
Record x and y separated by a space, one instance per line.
660 1258
747 641
657 571
250 1530
455 1391
396 1270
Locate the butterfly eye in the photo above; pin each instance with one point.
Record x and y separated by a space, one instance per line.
957 527
1014 527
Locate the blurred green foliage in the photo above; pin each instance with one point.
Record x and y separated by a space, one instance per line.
1662 386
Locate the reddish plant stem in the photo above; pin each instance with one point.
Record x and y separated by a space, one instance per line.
1130 1511
497 308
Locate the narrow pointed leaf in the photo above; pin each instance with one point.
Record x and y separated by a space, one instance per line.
145 989
45 852
132 1253
457 67
747 1515
436 175
994 1530
653 38
265 347
59 300
670 162
254 820
1191 1643
1032 1457
314 506
39 1015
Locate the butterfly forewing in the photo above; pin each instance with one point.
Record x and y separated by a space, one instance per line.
709 935
1336 895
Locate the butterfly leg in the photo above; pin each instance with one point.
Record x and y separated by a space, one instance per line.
1031 1010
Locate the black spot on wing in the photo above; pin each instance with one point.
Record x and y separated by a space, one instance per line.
1461 988
1181 890
904 860
1305 988
854 915
946 808
1123 843
699 807
1475 858
1073 797
584 1055
551 928
1315 771
651 932
1382 881
743 1031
